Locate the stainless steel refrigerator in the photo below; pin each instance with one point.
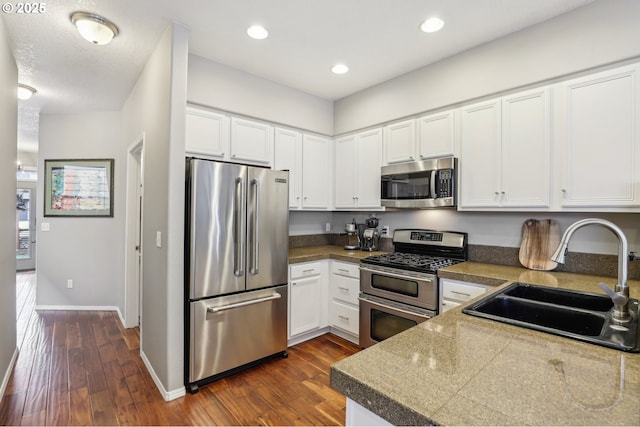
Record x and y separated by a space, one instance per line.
236 264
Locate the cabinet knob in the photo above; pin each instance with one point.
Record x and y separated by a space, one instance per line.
411 158
293 283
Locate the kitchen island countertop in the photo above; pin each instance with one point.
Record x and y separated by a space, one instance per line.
457 369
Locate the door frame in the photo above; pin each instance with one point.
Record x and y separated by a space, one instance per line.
133 227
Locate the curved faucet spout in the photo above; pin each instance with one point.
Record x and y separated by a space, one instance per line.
620 311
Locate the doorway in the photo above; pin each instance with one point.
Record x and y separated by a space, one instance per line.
26 225
133 239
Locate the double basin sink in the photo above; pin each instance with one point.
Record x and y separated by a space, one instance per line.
578 315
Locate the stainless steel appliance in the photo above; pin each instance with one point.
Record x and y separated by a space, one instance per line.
400 289
371 235
237 221
424 184
353 238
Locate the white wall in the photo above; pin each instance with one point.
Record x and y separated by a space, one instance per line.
599 33
85 250
215 85
156 107
8 156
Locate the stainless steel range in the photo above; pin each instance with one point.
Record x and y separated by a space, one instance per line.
400 289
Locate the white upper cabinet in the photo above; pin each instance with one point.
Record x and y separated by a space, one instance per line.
526 150
251 141
357 163
400 142
317 171
479 164
207 133
436 135
288 156
600 141
505 158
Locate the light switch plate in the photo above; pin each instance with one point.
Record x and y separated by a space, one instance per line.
45 226
159 239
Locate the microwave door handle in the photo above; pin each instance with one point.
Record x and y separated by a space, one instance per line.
432 184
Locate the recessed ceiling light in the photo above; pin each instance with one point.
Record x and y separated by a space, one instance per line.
257 32
94 28
339 69
432 25
25 92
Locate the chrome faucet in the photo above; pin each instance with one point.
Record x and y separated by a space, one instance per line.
620 295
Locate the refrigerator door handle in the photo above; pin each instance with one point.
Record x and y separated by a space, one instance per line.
239 237
255 232
271 297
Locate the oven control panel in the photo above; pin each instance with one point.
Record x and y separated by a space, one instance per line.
428 236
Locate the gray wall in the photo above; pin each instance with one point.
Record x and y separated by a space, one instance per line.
8 156
85 250
599 33
156 107
215 85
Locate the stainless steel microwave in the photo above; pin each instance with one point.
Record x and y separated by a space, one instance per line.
425 184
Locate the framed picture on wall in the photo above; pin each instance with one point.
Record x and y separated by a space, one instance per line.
78 188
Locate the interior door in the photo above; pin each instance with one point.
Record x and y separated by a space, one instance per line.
26 226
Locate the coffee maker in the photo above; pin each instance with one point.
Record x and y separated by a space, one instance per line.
371 235
353 237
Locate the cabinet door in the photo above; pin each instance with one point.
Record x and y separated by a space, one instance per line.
601 142
480 155
368 170
400 142
436 135
207 133
526 149
346 172
288 156
316 172
305 310
251 141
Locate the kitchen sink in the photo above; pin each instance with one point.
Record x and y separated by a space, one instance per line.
564 312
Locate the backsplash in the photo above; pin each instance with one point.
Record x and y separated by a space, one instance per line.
576 262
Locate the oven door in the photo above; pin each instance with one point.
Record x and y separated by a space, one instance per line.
381 319
418 289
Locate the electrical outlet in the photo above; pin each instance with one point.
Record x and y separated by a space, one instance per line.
385 230
70 284
327 227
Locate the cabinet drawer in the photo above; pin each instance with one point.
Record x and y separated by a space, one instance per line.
306 269
344 317
346 269
344 288
461 292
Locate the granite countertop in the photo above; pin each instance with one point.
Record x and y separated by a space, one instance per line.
457 369
315 253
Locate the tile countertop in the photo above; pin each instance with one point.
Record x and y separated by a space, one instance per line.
456 369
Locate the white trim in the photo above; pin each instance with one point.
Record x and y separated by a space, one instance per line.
78 308
132 288
166 395
7 374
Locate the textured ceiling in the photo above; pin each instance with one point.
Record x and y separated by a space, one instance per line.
377 39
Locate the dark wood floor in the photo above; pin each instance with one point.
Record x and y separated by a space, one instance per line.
84 368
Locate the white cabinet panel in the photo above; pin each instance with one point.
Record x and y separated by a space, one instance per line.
344 317
308 297
436 135
316 172
288 156
251 141
400 142
601 143
207 133
346 172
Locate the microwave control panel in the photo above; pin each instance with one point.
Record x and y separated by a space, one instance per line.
445 183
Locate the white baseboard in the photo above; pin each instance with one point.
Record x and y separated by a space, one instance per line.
78 308
307 336
7 374
166 395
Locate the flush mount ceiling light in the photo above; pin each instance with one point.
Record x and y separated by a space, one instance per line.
25 92
432 25
339 69
257 32
94 28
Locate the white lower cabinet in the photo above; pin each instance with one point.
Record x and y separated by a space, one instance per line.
307 300
344 287
454 293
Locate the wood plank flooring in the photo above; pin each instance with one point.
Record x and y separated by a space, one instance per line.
84 368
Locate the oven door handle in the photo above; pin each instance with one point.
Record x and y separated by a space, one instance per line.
396 275
389 307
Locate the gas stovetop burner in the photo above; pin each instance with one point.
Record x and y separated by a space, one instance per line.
407 261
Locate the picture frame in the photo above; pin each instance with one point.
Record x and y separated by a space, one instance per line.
78 188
